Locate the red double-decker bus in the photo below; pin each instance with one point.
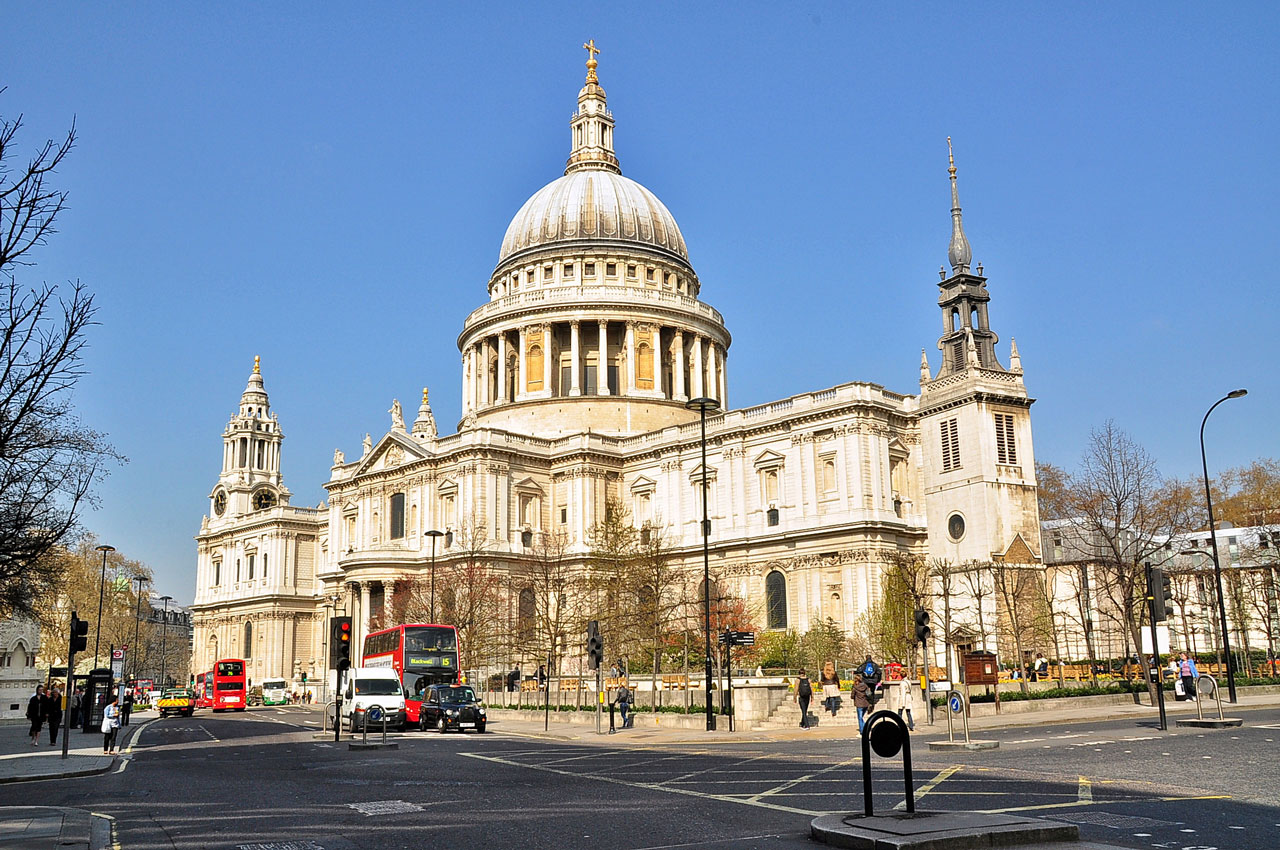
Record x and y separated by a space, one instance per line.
421 654
204 690
225 685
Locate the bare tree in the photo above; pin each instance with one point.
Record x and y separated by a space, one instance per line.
1126 514
614 543
555 596
1019 591
975 578
944 578
49 462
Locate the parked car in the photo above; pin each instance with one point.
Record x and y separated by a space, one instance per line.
446 707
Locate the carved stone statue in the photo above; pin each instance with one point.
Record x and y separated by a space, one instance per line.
397 415
338 457
368 445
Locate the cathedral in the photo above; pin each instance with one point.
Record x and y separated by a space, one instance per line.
576 377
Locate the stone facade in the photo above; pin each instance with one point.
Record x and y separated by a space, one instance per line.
19 675
575 378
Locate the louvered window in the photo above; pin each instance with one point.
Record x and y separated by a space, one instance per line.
1006 447
950 444
957 354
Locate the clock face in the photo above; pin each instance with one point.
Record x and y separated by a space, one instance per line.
219 503
263 499
955 526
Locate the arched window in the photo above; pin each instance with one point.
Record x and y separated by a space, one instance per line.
534 368
527 614
397 516
248 640
775 595
644 366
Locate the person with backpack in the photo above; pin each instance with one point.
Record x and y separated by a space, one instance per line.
804 693
624 703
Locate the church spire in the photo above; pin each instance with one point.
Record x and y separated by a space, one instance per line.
959 253
592 124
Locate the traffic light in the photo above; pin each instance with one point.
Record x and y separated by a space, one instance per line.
79 630
339 641
1162 591
595 645
922 625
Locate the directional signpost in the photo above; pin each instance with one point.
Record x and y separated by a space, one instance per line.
729 639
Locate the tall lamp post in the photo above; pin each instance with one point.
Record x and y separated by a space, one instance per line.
137 621
1213 538
705 406
433 534
164 634
102 588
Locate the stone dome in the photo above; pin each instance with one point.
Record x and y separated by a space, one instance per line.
593 205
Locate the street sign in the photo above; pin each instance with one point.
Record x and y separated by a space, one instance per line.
374 714
117 654
956 704
733 638
117 668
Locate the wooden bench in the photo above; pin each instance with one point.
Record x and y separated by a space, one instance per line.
570 684
530 685
674 681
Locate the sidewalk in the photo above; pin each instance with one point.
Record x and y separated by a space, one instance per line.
529 724
21 762
29 827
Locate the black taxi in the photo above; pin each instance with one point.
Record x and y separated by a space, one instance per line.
446 707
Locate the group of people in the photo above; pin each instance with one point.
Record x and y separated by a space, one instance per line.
45 707
864 691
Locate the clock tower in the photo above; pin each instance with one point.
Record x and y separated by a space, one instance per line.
250 479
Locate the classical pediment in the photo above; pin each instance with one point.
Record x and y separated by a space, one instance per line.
643 484
767 459
528 485
1017 552
392 451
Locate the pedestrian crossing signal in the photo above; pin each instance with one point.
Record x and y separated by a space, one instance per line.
595 645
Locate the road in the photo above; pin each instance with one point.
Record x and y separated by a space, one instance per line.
260 779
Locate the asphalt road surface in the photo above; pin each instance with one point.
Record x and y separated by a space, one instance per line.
261 779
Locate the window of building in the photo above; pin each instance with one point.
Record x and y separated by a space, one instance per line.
248 640
611 269
237 569
950 429
564 516
644 508
828 474
264 566
770 482
397 516
589 269
648 274
775 595
671 280
261 452
631 270
568 269
217 573
1006 446
529 510
955 527
547 274
244 452
251 567
448 511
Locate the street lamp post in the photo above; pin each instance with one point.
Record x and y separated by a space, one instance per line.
1213 538
102 588
164 634
703 406
433 534
137 621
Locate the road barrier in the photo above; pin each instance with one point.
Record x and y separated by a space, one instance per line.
1207 686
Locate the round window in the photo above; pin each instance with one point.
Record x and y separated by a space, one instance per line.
955 526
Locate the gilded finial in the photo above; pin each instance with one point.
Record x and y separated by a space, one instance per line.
424 395
257 365
950 158
592 50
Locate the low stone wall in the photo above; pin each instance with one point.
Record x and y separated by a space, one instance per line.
752 704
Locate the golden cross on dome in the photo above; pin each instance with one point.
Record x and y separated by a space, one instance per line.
257 364
592 50
424 395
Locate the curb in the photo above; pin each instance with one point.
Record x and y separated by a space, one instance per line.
65 774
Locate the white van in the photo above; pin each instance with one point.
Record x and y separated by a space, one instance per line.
370 686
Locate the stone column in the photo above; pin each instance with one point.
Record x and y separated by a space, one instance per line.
575 389
466 384
677 368
602 360
502 369
713 370
697 375
366 591
546 359
724 379
657 361
629 347
522 364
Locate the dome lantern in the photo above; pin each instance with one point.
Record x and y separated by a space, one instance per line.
592 125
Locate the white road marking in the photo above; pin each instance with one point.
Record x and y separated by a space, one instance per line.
930 785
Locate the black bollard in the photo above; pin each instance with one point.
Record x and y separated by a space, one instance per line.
886 734
611 707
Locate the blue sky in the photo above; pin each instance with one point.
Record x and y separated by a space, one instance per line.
327 186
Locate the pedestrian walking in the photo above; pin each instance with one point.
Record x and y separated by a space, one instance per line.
624 703
35 713
53 713
861 701
1187 670
906 701
830 683
110 725
870 672
126 708
804 693
77 699
542 675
